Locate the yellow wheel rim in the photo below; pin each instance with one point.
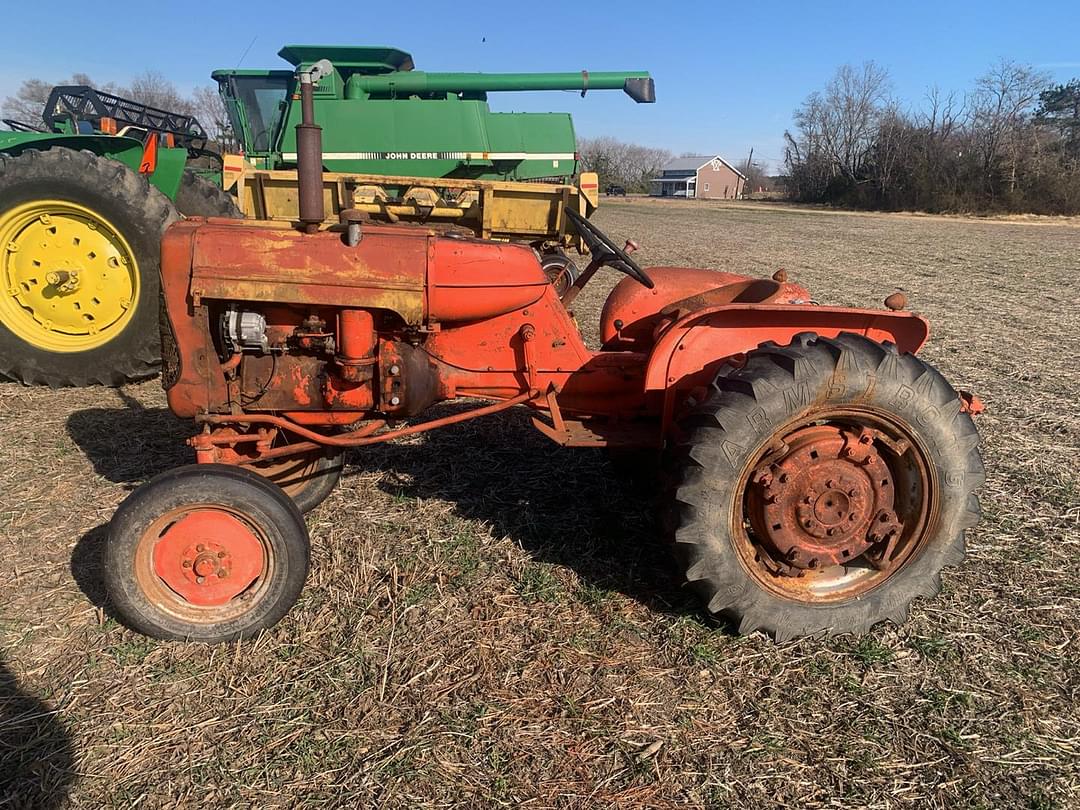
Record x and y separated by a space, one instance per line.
68 279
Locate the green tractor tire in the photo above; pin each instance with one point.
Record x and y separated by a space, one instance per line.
80 243
198 197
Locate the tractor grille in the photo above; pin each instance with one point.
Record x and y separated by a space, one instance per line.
170 357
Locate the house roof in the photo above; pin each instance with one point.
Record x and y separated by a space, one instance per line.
695 162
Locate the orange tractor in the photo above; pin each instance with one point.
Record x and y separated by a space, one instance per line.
824 474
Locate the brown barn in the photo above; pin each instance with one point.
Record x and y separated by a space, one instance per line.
707 177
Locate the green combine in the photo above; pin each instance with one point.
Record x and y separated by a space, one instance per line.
86 193
381 116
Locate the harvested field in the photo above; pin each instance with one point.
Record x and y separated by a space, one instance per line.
492 620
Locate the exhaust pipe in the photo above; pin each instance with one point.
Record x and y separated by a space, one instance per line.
309 150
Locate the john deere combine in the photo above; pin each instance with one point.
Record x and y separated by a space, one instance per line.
380 116
85 198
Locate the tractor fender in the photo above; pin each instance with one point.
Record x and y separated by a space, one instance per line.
169 166
117 147
691 349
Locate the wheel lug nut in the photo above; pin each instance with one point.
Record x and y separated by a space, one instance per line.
221 555
200 547
784 478
830 484
187 563
813 562
200 580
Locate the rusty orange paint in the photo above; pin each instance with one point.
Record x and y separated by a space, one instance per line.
410 317
696 343
253 262
469 279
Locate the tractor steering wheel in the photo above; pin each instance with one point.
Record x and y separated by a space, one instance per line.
606 251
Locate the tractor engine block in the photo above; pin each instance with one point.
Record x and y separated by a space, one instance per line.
290 359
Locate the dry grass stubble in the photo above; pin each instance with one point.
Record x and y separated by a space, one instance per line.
492 620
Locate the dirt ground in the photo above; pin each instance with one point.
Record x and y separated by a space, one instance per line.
492 620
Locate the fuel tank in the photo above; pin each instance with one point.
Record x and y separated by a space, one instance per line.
470 279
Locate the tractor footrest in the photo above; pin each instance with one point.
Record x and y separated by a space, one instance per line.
600 433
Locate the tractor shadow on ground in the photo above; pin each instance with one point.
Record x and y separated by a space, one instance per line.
597 513
86 566
126 446
37 757
133 444
581 508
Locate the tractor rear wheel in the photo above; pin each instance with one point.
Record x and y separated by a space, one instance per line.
823 486
80 243
208 552
198 197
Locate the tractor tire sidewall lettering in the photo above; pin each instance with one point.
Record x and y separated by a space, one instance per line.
263 503
141 213
775 388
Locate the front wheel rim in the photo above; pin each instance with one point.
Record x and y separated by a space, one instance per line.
204 563
834 505
69 281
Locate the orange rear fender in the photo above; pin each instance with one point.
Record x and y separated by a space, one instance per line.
691 350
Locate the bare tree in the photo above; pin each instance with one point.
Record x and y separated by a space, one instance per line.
28 103
994 151
627 164
843 121
153 89
211 112
998 108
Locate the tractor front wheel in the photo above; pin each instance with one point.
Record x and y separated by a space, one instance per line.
208 552
80 240
823 486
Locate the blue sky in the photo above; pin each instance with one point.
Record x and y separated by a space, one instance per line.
728 75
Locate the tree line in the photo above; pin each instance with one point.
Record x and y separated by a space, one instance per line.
1010 143
629 165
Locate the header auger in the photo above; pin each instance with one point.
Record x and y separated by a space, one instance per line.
825 474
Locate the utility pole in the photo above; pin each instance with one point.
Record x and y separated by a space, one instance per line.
749 161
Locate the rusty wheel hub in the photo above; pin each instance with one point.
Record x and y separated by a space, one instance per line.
824 498
209 557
